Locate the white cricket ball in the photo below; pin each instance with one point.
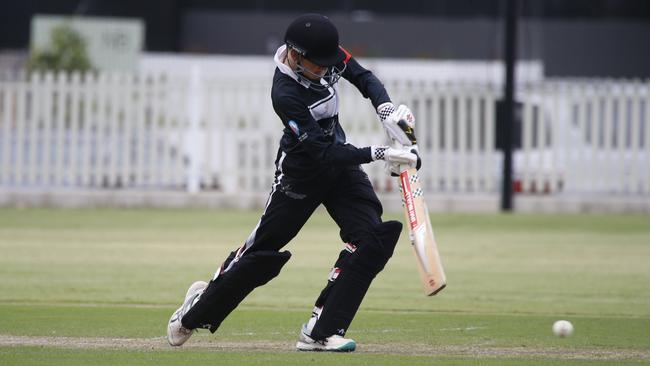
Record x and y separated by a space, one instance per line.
562 328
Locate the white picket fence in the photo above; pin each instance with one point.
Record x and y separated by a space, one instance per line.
205 133
586 137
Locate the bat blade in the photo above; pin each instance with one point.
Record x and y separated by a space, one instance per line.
421 233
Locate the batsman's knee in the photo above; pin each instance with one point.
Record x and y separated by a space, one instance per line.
388 234
377 247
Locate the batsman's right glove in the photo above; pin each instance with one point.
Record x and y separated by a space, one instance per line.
395 156
393 169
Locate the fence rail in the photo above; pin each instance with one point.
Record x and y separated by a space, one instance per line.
196 133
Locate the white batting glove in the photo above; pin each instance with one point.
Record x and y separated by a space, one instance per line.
394 156
393 169
399 123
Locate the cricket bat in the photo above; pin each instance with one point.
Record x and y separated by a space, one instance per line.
421 233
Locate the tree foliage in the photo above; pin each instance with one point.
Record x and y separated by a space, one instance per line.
67 52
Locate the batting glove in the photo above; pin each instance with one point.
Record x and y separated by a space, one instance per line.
393 169
393 155
399 123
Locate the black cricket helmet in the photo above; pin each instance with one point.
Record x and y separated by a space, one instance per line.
316 38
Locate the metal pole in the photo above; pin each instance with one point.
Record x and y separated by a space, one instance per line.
509 102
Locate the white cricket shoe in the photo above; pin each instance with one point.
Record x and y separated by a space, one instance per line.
177 334
334 343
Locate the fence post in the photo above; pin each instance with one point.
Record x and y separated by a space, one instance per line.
33 84
6 126
194 112
75 108
21 127
89 95
58 127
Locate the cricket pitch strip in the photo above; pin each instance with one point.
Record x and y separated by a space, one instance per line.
160 343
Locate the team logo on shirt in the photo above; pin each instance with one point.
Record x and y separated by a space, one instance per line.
294 127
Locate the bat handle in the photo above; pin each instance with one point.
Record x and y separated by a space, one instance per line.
397 145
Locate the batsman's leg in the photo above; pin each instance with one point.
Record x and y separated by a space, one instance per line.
357 211
342 297
334 342
255 263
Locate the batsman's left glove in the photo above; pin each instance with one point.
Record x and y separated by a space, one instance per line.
399 123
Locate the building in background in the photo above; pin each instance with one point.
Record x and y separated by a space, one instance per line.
94 43
605 38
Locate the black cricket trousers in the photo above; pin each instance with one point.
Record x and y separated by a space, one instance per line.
347 195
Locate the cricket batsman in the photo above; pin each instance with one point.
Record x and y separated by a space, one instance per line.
314 166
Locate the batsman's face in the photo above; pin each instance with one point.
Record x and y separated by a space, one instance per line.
314 72
307 68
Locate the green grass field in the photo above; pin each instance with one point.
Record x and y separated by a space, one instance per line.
80 287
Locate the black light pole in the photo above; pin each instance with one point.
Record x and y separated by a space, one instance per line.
509 103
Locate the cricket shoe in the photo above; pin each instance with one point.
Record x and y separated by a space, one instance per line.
177 334
334 343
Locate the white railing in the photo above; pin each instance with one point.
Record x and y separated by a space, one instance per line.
106 130
586 136
198 132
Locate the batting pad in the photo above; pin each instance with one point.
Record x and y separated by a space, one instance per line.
373 252
224 293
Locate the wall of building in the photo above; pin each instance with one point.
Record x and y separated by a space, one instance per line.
581 48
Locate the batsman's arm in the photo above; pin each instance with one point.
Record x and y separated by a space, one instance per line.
306 132
366 82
